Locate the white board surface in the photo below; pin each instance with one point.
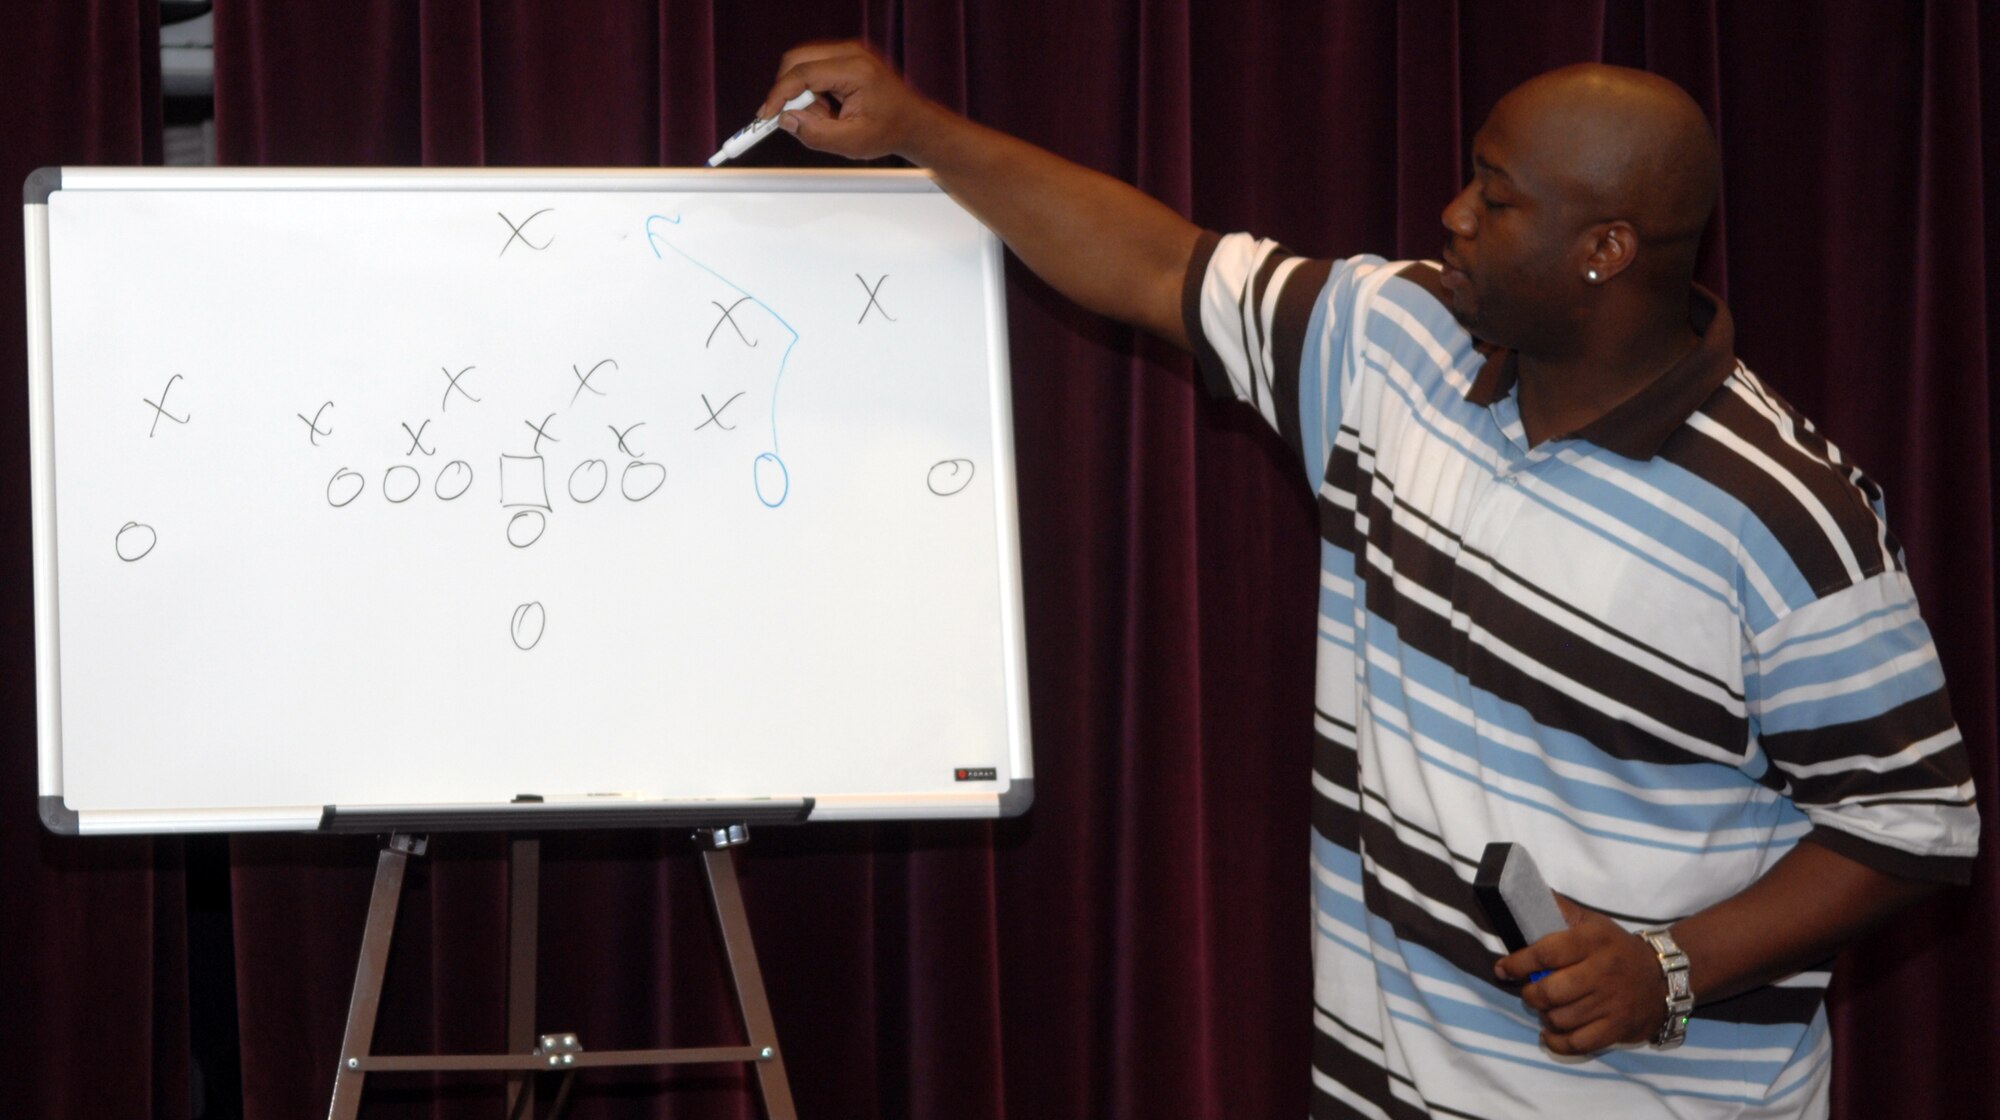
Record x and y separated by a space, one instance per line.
425 491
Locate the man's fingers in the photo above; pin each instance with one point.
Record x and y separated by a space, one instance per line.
1568 1017
1539 996
814 55
817 74
1557 950
811 128
837 68
1571 912
1557 1042
822 49
1560 988
1596 1035
825 131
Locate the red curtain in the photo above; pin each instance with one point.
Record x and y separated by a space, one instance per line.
1136 946
93 965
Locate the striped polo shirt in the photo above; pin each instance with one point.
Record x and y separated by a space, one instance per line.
1658 653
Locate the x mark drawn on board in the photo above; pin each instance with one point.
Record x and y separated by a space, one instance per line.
622 449
160 409
451 382
728 316
583 379
540 430
417 439
522 237
873 305
313 423
715 414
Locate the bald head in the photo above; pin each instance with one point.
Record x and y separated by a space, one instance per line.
1620 144
1583 215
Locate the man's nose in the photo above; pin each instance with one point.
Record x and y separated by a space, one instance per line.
1458 214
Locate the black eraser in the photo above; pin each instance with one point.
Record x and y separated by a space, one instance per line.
1510 889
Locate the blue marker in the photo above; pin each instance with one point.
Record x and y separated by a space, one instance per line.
747 137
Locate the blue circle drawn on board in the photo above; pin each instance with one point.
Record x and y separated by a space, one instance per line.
757 479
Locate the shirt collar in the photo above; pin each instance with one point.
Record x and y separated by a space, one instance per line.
1641 424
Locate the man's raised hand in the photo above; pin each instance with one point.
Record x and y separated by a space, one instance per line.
864 108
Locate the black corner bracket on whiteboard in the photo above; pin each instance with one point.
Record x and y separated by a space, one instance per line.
40 184
535 816
58 817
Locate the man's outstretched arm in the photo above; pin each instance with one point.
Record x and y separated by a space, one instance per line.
1104 244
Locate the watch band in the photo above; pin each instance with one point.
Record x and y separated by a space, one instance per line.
1680 996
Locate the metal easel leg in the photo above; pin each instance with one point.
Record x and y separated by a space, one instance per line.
524 893
720 863
368 973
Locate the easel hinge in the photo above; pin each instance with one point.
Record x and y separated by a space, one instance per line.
728 836
559 1049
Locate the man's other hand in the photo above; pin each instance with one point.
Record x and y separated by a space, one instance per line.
1604 987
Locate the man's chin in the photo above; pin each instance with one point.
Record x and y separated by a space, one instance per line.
1464 310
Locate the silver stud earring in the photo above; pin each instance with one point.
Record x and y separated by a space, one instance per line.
1591 276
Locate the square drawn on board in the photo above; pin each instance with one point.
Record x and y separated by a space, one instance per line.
524 481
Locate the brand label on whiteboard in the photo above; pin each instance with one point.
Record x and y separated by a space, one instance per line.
976 774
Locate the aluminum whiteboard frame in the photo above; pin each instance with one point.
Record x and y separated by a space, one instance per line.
59 818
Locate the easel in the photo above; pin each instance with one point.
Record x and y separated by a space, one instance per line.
527 1054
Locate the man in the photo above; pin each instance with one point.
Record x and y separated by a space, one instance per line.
1587 586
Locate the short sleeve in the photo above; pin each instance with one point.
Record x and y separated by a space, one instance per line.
1265 332
1848 702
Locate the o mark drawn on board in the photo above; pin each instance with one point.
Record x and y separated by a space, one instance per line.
583 379
160 409
530 619
451 382
400 483
641 480
522 237
540 430
134 541
588 480
873 304
526 527
728 316
313 423
453 481
344 487
417 440
949 477
715 414
622 449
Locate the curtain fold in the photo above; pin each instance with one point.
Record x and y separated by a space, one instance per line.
452 76
94 969
1137 945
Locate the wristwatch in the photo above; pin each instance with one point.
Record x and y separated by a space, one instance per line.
1680 997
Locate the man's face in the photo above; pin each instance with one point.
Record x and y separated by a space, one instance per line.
1510 238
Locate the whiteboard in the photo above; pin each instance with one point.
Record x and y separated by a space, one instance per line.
434 499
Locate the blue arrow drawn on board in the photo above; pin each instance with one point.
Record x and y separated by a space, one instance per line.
654 238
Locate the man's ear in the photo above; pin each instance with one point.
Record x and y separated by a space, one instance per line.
1609 249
